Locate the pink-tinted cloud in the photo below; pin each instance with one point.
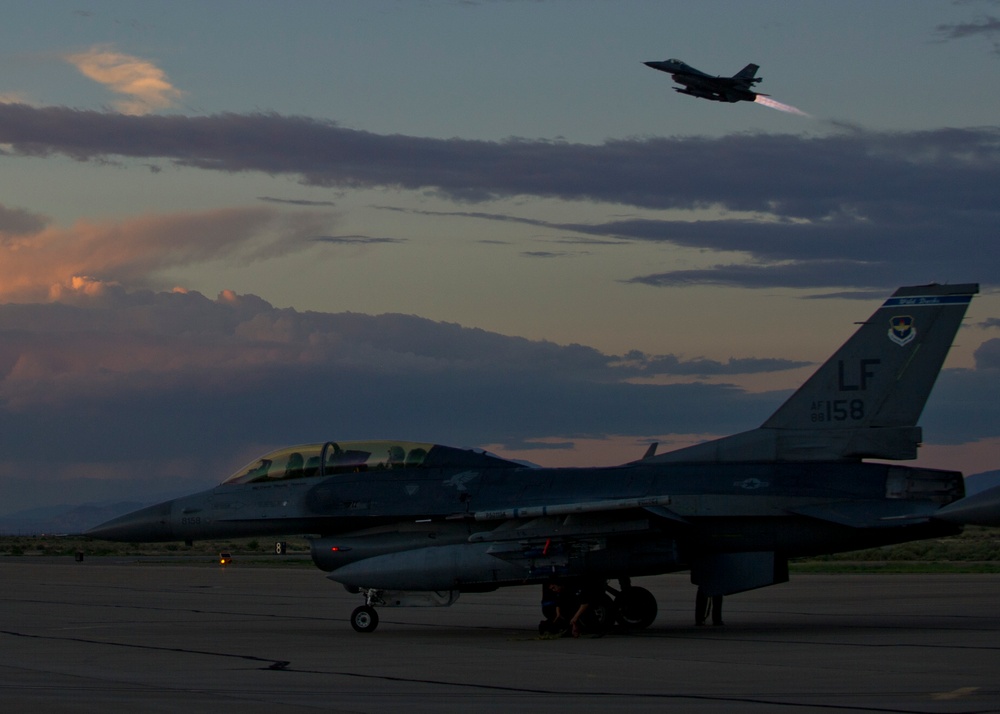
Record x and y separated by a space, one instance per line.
145 86
39 262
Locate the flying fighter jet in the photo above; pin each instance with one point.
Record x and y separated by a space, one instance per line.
408 524
719 89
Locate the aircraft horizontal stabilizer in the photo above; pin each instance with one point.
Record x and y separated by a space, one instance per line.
980 509
728 573
859 514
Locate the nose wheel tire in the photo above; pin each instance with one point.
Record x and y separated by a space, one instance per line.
364 619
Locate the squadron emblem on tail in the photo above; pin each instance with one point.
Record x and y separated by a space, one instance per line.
901 330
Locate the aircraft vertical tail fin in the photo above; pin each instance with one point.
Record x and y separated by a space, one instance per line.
882 376
748 72
863 402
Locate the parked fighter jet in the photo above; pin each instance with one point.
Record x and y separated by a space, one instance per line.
418 524
719 89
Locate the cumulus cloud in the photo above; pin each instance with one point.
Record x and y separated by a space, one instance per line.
145 86
182 387
182 331
853 209
178 386
988 356
40 261
175 387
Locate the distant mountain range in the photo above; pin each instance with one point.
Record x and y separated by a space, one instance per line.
63 519
980 482
68 520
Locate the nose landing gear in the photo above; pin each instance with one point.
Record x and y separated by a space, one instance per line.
365 617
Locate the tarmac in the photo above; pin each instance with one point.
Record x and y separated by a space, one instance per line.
113 634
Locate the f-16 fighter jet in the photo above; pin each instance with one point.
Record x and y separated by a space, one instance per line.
405 523
719 89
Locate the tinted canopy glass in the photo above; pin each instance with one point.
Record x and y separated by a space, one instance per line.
357 456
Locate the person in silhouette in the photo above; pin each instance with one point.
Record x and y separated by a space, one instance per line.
705 605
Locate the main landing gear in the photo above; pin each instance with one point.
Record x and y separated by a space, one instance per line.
635 607
632 608
595 607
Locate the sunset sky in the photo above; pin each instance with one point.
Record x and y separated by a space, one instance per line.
230 226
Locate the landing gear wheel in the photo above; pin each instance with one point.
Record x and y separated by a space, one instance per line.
601 615
364 619
636 608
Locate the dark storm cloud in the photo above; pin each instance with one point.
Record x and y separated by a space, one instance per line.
855 209
785 175
137 390
924 246
150 388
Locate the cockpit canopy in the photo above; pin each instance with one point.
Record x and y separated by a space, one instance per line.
304 460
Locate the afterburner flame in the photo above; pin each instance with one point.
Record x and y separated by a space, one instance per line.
768 102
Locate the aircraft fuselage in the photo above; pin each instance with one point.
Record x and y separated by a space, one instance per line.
454 525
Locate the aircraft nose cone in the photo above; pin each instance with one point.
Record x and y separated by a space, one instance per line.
146 524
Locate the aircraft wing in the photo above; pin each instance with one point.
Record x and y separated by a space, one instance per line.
563 509
543 539
575 520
